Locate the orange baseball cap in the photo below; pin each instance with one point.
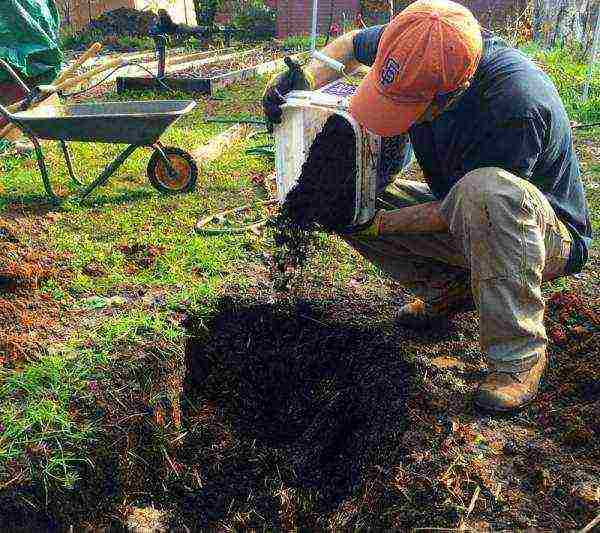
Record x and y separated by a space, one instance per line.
431 48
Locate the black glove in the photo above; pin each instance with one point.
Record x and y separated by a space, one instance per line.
292 79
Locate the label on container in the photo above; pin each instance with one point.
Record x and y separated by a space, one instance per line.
340 88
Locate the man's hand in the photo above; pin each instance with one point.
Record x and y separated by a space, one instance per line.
368 231
293 79
422 218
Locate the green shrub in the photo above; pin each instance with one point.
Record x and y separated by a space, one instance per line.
84 39
71 40
297 43
254 17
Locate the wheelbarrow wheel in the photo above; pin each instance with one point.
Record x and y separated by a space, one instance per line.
186 171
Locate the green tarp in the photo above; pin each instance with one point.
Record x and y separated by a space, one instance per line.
29 38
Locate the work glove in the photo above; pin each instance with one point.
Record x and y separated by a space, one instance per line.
294 78
368 231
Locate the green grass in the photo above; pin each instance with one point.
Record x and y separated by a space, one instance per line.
39 438
569 71
297 43
591 174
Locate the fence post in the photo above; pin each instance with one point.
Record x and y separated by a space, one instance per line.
315 16
595 46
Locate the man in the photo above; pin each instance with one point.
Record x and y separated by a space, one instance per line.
504 207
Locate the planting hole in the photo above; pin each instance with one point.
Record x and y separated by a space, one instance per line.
325 394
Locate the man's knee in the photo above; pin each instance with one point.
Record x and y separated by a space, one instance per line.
490 186
487 180
489 197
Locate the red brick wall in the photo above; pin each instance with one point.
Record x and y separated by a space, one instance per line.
294 17
79 12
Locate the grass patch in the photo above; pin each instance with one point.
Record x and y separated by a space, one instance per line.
42 436
84 39
569 71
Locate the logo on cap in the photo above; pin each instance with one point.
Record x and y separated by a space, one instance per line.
390 70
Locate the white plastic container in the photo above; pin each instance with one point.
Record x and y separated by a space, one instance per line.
304 115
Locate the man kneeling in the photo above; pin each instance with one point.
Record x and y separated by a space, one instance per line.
503 208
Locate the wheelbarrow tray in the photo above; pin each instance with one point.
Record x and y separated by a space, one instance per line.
137 123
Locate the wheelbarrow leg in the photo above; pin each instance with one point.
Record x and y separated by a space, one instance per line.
43 170
69 162
110 170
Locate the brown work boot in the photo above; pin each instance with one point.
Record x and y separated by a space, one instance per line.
455 298
508 391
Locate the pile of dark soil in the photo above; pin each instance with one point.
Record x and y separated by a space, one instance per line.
120 22
323 198
327 395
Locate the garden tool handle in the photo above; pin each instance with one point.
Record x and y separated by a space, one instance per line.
329 61
14 75
92 51
44 91
48 90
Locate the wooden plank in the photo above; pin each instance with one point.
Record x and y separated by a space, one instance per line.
218 145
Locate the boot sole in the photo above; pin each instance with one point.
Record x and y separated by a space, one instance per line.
500 410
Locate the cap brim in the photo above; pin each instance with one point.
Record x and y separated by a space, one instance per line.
382 115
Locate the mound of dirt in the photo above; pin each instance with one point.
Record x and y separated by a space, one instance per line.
331 397
122 21
22 269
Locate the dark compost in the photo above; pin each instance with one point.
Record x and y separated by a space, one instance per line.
323 198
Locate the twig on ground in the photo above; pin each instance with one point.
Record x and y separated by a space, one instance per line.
585 126
470 509
11 481
207 153
591 525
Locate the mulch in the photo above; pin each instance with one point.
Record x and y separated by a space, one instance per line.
23 315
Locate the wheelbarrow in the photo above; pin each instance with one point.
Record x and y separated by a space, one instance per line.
138 124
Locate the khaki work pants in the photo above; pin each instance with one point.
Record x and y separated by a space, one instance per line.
505 234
